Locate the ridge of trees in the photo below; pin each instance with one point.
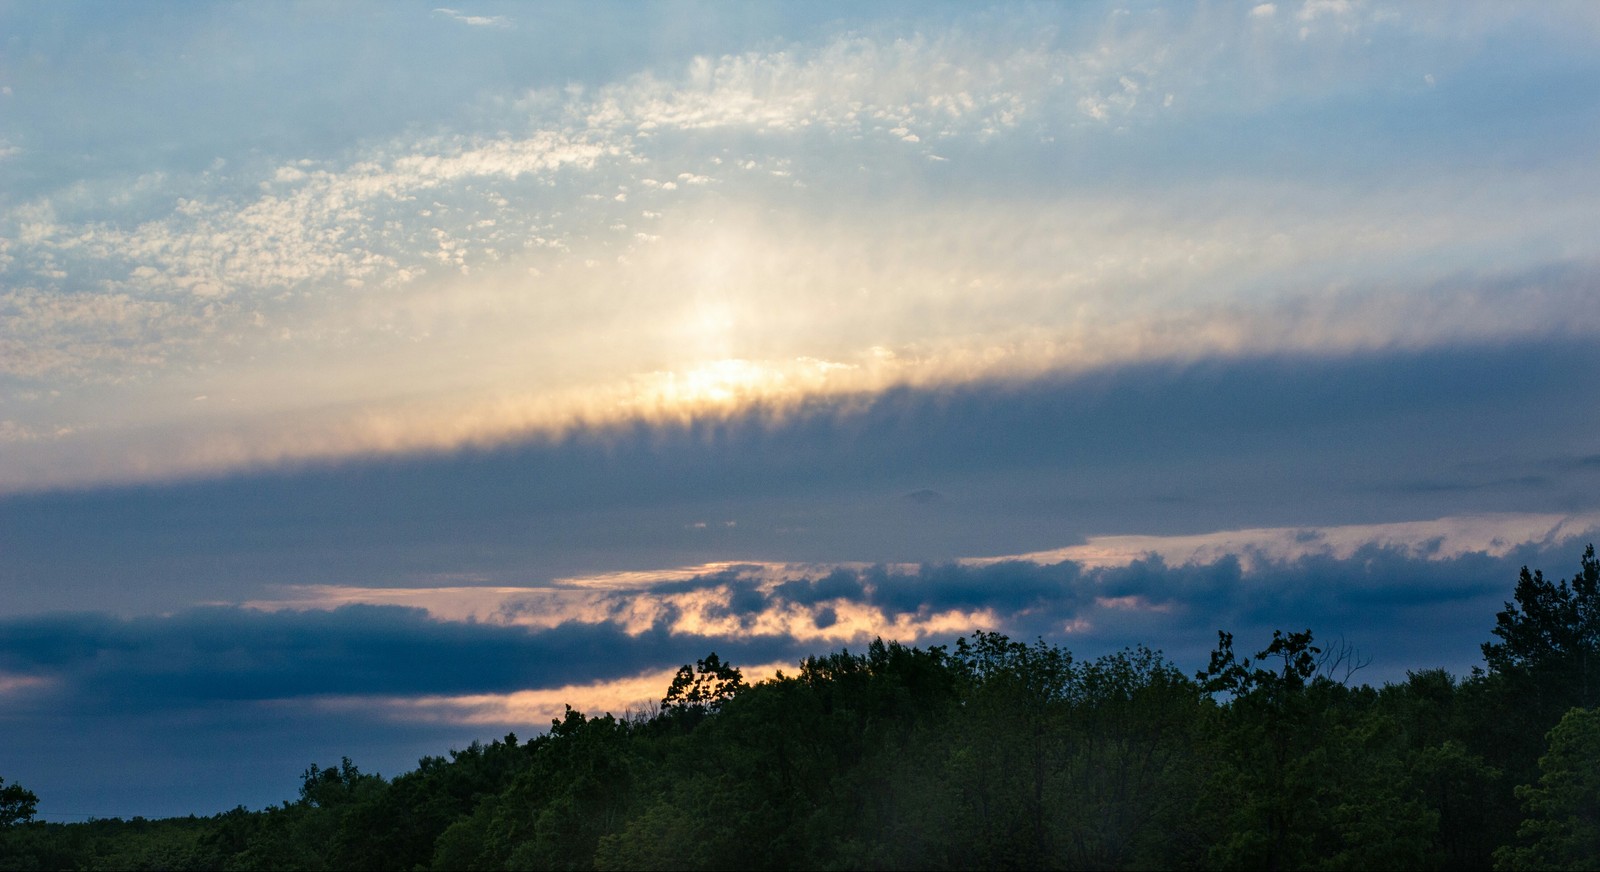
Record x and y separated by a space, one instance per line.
991 753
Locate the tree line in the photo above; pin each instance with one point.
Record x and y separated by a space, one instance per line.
991 753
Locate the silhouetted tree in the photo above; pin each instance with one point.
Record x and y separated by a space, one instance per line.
1549 639
17 804
705 687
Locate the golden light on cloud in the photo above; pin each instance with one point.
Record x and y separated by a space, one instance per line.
722 603
698 601
634 695
627 601
1440 538
728 310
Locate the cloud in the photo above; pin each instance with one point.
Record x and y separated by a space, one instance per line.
1188 313
1262 446
1314 9
1407 609
632 695
459 287
240 433
77 335
163 702
312 224
203 656
1495 535
495 21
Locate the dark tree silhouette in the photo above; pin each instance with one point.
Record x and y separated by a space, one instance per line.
705 687
1549 639
17 804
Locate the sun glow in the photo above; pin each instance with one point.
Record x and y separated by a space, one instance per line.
731 382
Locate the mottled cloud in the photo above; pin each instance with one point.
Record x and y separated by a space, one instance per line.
427 291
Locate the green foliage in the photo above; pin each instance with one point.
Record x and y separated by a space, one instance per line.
1275 766
1132 775
1312 773
175 843
1544 660
1562 830
398 827
335 787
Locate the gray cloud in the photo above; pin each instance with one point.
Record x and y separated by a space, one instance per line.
1154 449
1375 596
1009 588
838 584
1408 609
203 656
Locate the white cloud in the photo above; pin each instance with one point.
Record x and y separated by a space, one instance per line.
495 21
851 84
1314 9
54 336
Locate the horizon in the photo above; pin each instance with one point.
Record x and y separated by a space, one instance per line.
375 378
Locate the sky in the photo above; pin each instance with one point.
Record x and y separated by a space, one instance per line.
375 378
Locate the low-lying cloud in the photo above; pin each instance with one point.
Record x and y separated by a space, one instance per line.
1407 609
